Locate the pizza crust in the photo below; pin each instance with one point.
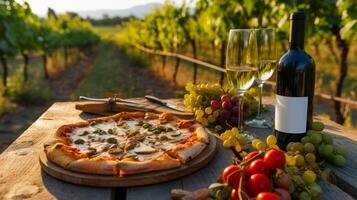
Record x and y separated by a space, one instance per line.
135 167
92 166
202 133
190 152
56 154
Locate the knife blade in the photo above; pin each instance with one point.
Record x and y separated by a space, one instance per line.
108 100
164 103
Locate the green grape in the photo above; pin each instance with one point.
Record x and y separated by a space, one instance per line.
316 138
199 113
298 146
300 161
310 132
317 126
271 140
305 139
310 158
290 160
309 176
326 138
309 147
211 119
289 147
304 196
298 180
242 139
327 151
341 151
261 146
315 190
204 121
339 160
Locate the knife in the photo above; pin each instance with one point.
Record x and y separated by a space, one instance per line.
108 100
164 103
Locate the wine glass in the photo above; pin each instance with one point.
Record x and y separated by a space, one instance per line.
241 64
266 66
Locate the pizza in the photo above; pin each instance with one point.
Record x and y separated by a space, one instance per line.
127 143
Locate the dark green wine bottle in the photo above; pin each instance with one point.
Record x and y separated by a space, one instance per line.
295 85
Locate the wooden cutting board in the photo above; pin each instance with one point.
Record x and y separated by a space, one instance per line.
145 106
131 180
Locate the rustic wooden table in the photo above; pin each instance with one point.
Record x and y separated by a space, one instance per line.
21 176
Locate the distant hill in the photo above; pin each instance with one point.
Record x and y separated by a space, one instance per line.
138 11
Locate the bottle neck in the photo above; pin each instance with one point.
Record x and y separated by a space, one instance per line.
297 33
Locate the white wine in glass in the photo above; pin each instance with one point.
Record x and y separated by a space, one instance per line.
266 63
241 64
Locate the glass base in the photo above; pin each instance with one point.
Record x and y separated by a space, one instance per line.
258 123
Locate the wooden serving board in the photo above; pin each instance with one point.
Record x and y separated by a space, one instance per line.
144 106
131 180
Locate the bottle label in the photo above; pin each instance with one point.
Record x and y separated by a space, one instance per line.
291 114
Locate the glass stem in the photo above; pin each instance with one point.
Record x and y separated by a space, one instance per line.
260 105
241 113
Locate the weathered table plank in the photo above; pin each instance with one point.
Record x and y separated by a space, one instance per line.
20 172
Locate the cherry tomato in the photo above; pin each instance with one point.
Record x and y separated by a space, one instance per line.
258 166
275 159
215 104
283 180
258 183
267 196
251 155
234 194
284 194
232 175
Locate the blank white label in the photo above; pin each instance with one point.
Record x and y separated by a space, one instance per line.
291 114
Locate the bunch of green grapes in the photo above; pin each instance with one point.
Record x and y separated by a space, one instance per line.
316 145
270 143
232 138
200 96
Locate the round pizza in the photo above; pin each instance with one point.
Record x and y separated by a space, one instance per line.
127 143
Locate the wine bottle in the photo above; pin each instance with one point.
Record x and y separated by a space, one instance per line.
295 85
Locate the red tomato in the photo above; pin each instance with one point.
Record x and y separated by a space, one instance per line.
284 194
267 196
234 194
251 155
275 159
258 166
258 183
232 175
215 104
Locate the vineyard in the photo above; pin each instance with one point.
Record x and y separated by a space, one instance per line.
202 34
24 36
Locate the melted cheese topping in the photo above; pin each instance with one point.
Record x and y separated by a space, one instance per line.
102 136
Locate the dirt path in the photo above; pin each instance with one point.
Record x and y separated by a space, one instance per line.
16 122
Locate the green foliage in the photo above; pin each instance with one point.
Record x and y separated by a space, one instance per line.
34 91
6 105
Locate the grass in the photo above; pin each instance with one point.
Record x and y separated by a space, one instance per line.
105 76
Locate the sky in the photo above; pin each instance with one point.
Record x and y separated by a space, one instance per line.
40 7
